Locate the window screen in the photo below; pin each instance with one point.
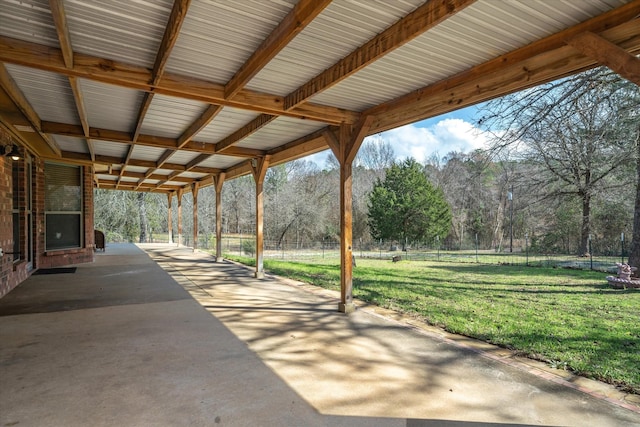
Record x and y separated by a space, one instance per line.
63 206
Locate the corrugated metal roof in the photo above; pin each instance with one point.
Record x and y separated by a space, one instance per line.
338 30
236 29
485 30
227 121
121 30
28 20
216 39
219 161
170 116
280 131
142 152
183 157
69 143
111 107
105 148
49 94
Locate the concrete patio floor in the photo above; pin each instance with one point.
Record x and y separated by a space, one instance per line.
168 337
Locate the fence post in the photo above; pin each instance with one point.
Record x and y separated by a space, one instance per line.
590 254
476 247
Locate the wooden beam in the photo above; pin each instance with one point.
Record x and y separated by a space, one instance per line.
169 217
218 182
146 140
142 112
138 175
132 186
205 118
60 21
539 62
403 31
358 133
259 169
346 223
248 129
608 54
194 194
169 38
135 77
126 162
179 193
296 20
24 107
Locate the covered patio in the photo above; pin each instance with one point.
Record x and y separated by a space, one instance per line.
174 95
162 335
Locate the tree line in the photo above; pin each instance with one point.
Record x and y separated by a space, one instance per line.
561 172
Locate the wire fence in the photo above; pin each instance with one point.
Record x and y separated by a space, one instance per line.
598 259
328 250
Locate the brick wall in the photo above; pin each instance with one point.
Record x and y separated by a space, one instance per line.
12 273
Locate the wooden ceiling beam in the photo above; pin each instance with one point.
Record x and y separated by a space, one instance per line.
24 107
248 129
109 184
205 118
64 38
537 63
60 21
104 70
608 54
169 38
146 140
296 20
138 175
403 31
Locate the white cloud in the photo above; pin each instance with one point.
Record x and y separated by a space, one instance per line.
445 136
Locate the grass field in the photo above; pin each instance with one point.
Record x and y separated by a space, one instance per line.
568 318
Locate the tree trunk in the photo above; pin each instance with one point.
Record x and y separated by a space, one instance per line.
144 223
586 223
634 255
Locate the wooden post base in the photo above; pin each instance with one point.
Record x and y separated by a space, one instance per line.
346 308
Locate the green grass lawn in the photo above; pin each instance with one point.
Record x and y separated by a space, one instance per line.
571 319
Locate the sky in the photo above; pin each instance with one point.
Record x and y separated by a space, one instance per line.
440 135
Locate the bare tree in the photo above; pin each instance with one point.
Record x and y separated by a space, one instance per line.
573 132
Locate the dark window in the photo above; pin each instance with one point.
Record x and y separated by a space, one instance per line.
63 206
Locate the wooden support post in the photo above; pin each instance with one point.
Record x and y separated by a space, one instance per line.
194 193
345 148
218 181
179 195
170 217
259 169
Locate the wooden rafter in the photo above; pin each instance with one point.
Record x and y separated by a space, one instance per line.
248 129
609 54
24 107
145 140
127 159
205 118
135 77
60 21
82 158
169 38
64 38
537 63
406 29
299 17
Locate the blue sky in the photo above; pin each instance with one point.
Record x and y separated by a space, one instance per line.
440 135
